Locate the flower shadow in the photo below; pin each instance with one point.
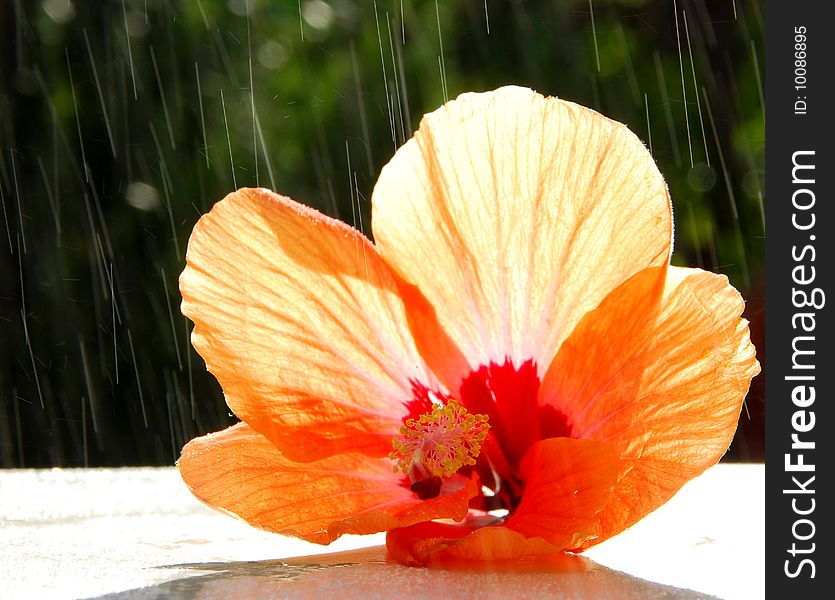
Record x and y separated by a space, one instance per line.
365 573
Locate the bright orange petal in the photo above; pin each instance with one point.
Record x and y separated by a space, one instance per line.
661 377
413 545
515 214
240 472
567 482
302 324
438 544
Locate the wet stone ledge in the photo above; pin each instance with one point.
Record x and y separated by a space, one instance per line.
138 533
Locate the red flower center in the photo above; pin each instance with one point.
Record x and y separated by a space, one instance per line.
442 437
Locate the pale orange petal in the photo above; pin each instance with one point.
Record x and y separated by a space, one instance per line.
523 555
494 543
514 215
661 377
240 472
439 544
301 322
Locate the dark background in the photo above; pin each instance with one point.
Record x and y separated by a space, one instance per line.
122 122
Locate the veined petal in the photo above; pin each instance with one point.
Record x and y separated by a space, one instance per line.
659 373
302 324
240 472
567 483
514 215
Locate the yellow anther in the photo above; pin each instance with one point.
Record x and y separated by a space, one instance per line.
440 442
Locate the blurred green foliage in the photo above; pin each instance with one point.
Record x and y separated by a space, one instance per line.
122 121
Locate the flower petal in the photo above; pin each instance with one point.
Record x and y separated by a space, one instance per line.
494 543
240 472
515 214
567 483
526 555
302 324
436 544
660 373
413 545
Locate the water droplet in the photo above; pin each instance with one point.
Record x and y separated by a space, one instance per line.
60 11
142 196
701 177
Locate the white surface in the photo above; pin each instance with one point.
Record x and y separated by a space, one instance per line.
83 533
710 537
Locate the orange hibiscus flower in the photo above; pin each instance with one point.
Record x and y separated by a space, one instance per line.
512 368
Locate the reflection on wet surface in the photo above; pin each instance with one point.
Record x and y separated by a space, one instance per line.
365 573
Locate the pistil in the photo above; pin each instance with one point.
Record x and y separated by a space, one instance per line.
437 445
